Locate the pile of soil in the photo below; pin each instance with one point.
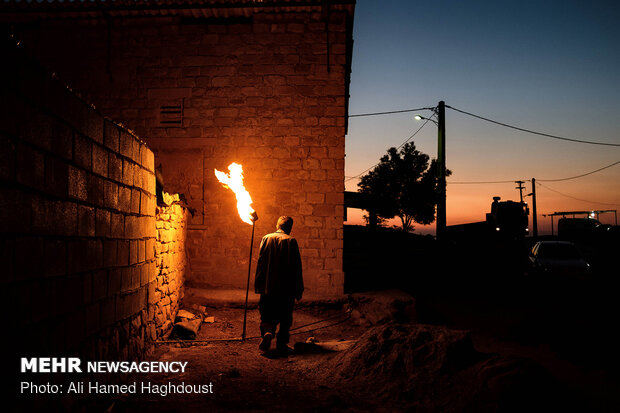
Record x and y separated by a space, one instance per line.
435 369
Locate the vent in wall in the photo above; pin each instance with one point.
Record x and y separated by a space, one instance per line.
171 114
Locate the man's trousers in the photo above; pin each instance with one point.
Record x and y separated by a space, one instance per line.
276 310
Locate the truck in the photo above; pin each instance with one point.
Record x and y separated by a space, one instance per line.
508 220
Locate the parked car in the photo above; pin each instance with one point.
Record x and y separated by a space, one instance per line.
557 258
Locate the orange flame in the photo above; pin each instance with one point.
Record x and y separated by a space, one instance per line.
234 182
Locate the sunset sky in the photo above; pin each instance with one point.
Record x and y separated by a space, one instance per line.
550 66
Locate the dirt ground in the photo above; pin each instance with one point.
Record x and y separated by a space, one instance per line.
241 378
244 379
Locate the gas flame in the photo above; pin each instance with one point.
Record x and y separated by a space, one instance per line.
234 182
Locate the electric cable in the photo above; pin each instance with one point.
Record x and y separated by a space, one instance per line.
579 176
401 145
575 198
533 132
391 112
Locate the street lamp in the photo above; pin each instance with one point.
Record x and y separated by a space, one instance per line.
440 111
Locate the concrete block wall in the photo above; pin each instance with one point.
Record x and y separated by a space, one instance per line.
166 293
77 221
264 89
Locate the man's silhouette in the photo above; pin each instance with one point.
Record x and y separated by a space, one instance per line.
279 282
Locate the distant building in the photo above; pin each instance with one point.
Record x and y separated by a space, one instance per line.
206 83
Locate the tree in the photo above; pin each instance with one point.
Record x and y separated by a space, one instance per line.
405 185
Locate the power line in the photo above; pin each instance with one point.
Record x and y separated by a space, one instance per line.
575 198
579 176
389 112
533 132
539 180
401 145
482 182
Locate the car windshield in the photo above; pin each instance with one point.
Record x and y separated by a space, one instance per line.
558 252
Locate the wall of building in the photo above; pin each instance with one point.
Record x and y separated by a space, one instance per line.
77 216
266 90
168 290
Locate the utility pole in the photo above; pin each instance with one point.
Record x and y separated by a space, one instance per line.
441 160
520 188
534 217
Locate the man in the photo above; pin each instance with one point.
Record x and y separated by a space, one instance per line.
279 283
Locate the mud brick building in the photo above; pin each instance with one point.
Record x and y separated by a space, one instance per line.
207 83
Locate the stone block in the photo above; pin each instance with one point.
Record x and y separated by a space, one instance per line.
86 221
102 223
83 151
56 176
115 167
115 276
123 252
124 199
111 135
100 160
95 190
117 225
133 252
128 172
126 278
30 166
110 253
108 311
135 201
77 184
111 194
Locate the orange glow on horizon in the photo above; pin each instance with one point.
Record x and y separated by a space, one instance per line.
234 181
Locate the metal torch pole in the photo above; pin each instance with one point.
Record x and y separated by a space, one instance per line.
247 290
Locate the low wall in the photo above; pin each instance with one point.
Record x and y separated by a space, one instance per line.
77 222
166 292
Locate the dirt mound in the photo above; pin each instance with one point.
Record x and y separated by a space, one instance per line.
435 369
377 307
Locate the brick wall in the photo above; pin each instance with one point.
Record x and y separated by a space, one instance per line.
256 89
166 293
77 216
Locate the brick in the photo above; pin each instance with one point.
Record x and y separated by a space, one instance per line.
94 188
117 225
30 166
102 222
128 172
86 221
114 280
111 135
126 279
100 160
110 253
135 201
83 151
56 176
77 184
127 145
133 252
124 199
141 250
110 194
115 167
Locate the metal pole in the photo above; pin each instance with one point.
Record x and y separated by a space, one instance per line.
441 160
534 217
247 289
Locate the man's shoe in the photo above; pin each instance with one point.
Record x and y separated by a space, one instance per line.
266 342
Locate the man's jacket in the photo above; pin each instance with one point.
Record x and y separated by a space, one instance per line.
279 266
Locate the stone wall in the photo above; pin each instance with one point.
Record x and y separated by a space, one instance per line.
264 88
77 216
167 291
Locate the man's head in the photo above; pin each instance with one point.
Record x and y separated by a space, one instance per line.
285 224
